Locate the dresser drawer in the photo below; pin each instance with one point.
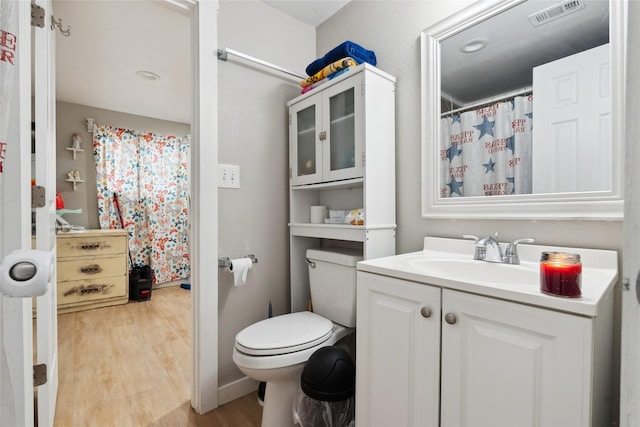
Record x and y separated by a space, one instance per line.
80 245
90 268
78 291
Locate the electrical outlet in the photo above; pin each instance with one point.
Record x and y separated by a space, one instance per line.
228 176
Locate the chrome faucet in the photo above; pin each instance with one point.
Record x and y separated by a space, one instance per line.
511 254
488 249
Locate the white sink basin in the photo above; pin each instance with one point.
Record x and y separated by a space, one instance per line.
474 271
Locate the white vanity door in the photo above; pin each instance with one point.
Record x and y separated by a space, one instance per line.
507 364
572 123
398 353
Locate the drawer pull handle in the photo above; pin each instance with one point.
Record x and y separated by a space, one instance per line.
89 290
426 312
91 269
90 246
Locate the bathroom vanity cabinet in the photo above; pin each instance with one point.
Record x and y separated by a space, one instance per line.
342 156
430 356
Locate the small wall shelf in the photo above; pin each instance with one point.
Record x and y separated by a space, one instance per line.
75 150
75 182
68 211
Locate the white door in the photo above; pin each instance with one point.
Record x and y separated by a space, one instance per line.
16 345
45 119
572 123
630 336
398 355
507 364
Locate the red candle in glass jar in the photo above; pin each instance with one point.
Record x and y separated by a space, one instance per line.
561 274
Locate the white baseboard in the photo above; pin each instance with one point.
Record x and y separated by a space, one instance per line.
236 389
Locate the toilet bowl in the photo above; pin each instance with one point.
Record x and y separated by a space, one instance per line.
275 350
281 371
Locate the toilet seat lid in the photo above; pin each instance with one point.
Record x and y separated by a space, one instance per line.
283 334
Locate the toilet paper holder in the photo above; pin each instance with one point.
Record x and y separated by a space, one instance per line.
225 262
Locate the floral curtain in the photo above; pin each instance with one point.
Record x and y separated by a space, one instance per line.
487 152
148 174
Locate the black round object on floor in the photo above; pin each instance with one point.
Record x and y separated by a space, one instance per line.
329 375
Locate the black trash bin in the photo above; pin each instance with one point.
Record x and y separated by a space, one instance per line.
326 397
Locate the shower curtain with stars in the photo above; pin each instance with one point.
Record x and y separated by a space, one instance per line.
487 151
149 174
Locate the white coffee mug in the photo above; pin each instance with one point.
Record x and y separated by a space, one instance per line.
318 214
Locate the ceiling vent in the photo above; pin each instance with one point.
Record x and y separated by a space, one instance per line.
555 12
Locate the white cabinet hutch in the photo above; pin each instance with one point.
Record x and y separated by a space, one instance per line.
342 155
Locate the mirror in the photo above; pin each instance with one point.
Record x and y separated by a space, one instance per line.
482 90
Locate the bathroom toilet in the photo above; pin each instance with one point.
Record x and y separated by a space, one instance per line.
275 350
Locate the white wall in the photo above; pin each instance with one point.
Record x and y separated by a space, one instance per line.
253 123
392 29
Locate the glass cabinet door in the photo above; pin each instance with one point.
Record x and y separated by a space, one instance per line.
305 149
342 151
306 140
341 129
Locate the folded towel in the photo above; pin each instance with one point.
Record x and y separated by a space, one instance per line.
323 81
336 66
351 49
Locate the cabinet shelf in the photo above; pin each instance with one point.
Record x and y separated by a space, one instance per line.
332 185
343 118
306 131
353 233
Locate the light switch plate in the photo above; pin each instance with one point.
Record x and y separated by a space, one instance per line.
228 176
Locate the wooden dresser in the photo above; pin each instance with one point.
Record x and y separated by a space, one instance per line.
92 269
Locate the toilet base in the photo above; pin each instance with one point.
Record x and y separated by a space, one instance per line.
278 401
282 385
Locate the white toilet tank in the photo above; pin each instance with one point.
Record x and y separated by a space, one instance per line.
332 279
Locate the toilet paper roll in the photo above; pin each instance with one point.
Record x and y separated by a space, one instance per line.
240 267
317 214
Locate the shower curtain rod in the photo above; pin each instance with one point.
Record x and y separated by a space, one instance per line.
490 100
222 55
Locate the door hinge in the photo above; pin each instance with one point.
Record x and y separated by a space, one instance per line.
362 87
290 173
363 159
37 16
39 374
289 119
38 196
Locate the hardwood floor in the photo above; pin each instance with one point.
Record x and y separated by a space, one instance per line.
130 365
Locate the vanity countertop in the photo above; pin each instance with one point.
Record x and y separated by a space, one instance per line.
456 269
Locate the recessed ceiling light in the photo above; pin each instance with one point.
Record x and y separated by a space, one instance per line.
147 75
474 45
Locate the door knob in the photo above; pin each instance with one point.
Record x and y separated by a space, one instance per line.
26 273
426 312
450 318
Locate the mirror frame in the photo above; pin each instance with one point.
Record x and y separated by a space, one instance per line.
596 205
